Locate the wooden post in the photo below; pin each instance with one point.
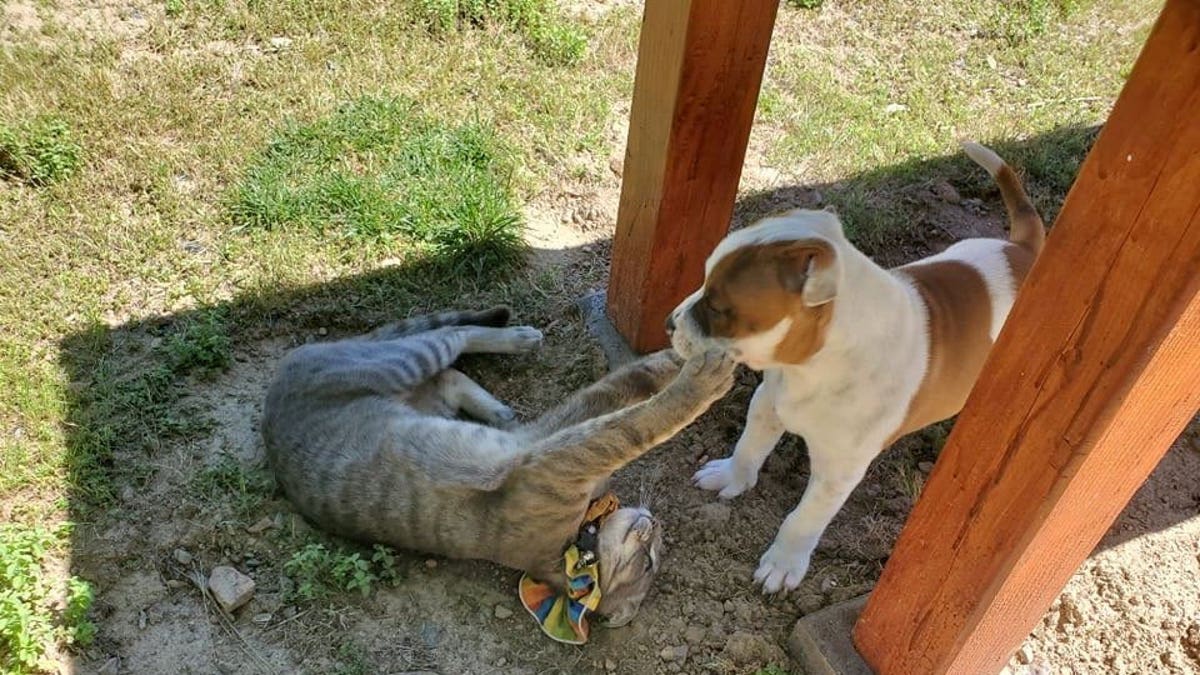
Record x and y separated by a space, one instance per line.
1094 376
700 65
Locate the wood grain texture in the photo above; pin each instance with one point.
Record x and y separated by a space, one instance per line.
700 66
1091 380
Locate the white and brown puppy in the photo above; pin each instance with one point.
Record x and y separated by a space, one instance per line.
854 355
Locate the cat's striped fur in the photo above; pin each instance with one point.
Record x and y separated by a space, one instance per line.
362 436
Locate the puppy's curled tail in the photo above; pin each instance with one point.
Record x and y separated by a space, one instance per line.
1025 225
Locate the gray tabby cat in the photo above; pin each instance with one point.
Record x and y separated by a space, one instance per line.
362 437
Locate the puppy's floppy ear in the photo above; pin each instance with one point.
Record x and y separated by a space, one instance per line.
812 268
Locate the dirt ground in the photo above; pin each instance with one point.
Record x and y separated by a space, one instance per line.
1133 608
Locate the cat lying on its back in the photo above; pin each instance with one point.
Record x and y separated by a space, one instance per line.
362 437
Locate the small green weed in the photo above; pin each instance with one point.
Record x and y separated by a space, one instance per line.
772 669
546 32
29 621
173 7
806 4
201 345
227 479
134 403
38 152
351 660
318 571
377 170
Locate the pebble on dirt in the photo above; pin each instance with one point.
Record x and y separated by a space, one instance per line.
503 612
182 557
230 588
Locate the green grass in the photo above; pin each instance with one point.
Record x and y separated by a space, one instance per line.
866 98
39 151
34 615
547 34
317 570
378 169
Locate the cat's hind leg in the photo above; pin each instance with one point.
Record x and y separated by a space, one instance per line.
507 340
462 393
496 317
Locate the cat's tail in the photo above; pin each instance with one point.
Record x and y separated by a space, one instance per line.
496 317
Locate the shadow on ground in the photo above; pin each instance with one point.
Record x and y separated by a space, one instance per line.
166 475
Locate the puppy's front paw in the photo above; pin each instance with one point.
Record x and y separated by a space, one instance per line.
523 338
782 568
725 478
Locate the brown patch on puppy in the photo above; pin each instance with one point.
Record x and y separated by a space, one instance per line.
960 318
1020 260
752 289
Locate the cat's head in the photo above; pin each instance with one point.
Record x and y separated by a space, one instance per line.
630 550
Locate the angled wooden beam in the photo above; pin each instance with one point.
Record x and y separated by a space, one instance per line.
700 65
1091 380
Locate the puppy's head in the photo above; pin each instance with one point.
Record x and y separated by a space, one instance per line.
768 292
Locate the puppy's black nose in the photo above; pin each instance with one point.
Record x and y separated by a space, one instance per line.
670 324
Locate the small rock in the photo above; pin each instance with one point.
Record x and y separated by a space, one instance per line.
610 665
503 612
715 514
501 662
617 166
1024 655
893 108
142 619
230 588
674 654
431 563
809 603
322 331
745 649
728 606
110 667
695 634
991 61
289 611
175 584
828 584
182 557
263 618
280 42
263 524
925 467
946 192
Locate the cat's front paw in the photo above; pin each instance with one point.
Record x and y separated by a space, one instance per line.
660 368
724 477
710 375
782 568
